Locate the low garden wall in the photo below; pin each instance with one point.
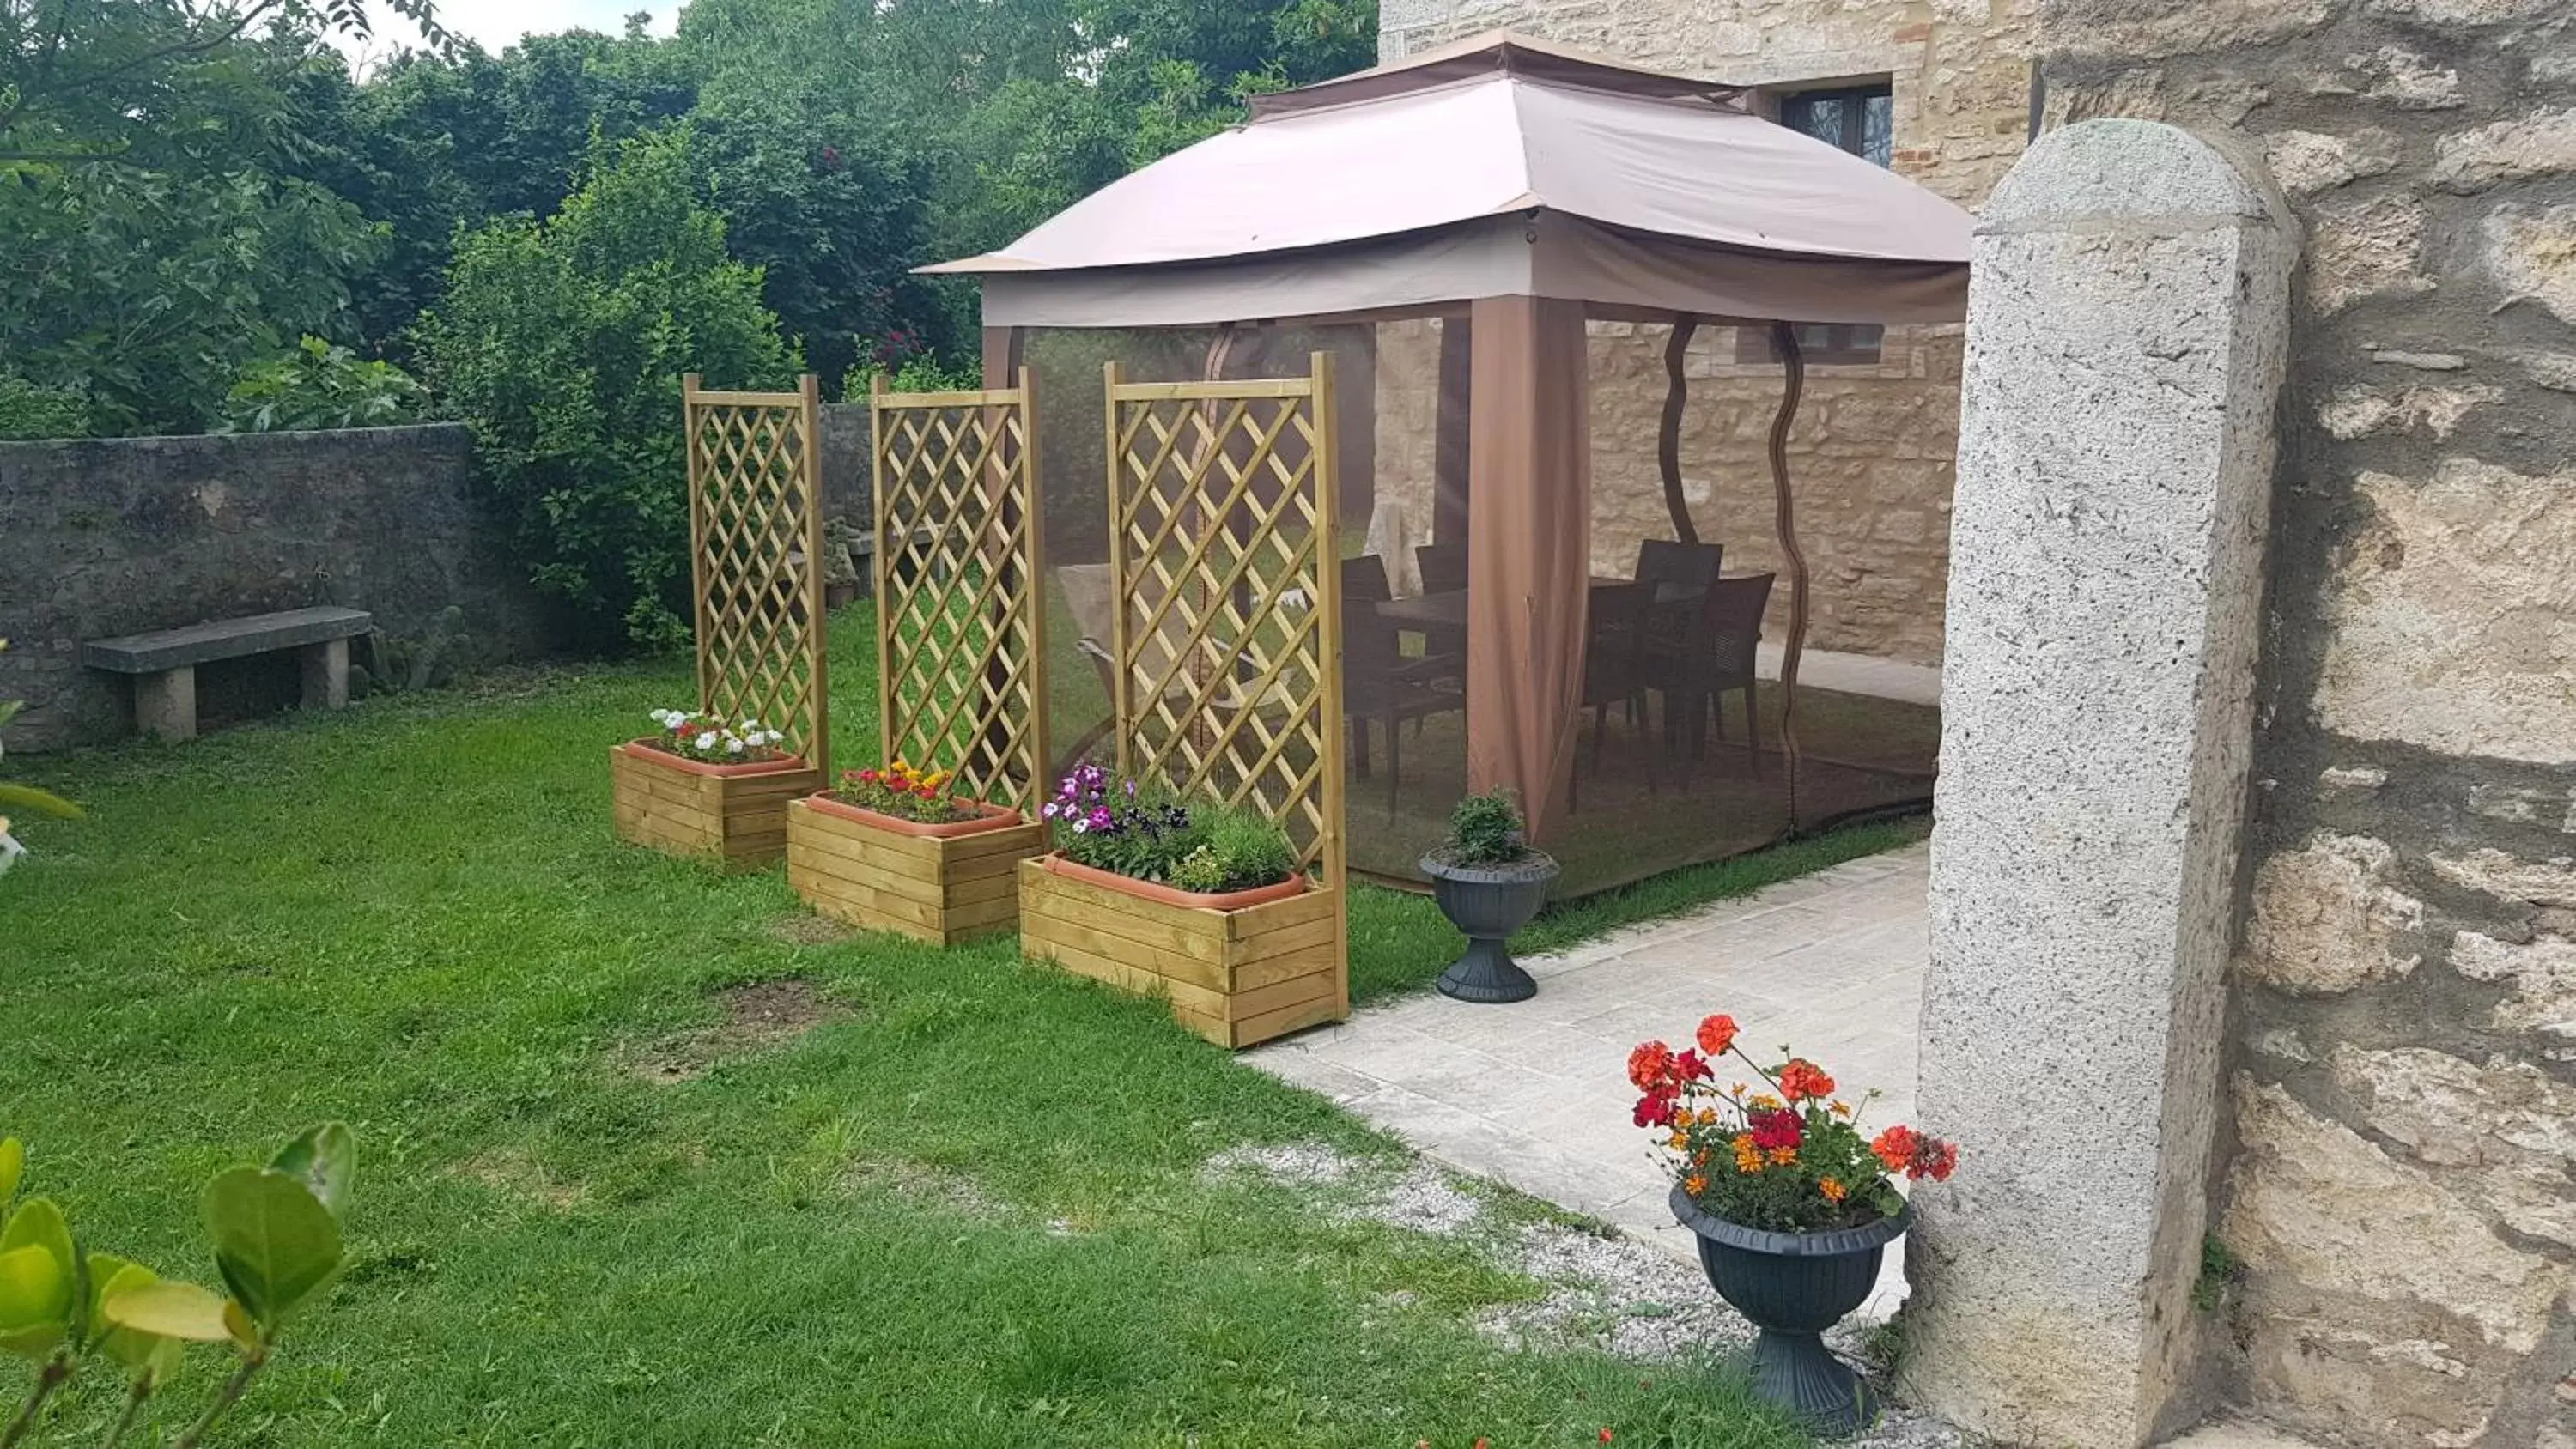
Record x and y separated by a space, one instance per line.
114 536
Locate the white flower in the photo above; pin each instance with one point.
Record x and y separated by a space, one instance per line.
10 849
1082 825
735 746
707 741
664 717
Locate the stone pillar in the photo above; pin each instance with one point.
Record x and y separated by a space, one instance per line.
2126 336
326 674
165 704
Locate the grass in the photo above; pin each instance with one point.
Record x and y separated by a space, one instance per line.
412 916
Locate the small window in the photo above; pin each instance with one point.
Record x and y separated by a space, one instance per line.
1861 120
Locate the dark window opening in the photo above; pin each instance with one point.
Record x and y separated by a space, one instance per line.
1861 120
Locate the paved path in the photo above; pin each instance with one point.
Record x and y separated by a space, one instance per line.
1537 1095
1856 674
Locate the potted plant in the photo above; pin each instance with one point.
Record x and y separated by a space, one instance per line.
1489 883
1197 901
705 787
894 849
1793 1207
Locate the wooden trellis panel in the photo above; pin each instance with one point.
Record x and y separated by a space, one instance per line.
961 644
756 536
1225 560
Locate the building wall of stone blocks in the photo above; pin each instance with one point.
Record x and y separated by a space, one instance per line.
2401 1188
1871 456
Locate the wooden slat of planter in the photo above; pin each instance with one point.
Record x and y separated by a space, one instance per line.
1182 930
1294 941
1188 970
985 879
738 819
1313 984
1130 977
838 855
860 905
1286 1019
1245 925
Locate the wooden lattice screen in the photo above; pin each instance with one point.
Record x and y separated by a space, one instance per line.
961 644
756 543
1225 562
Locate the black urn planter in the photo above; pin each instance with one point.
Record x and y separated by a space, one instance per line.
1794 1286
1488 903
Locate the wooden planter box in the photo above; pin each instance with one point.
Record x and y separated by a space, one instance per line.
937 883
1236 977
734 813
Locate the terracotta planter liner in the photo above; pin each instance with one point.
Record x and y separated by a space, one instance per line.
995 817
651 749
1160 894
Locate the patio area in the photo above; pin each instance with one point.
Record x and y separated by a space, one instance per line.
1535 1094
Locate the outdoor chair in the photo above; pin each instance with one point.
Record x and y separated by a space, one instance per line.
1614 663
1674 568
1683 565
1715 659
1379 684
1443 567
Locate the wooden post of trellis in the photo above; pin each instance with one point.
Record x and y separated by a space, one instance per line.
961 618
756 590
1225 564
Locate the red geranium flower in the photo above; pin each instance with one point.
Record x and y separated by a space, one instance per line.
1690 1067
1654 1110
1934 1159
1802 1080
1896 1146
1716 1034
1773 1131
1650 1066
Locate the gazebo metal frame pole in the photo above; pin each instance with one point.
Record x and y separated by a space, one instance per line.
1793 365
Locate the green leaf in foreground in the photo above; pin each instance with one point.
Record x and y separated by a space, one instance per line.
275 1242
138 1321
35 1301
324 1159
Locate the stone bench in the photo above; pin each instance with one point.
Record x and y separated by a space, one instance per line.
164 662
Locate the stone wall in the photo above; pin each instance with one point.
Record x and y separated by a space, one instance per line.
2403 1099
118 536
1872 453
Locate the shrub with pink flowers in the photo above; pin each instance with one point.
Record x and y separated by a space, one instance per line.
1144 832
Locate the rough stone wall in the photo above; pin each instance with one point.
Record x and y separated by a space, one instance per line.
118 536
2404 1015
1873 449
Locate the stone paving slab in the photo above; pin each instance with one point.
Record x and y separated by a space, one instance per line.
1536 1094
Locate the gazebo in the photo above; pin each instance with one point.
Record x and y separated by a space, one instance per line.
1517 199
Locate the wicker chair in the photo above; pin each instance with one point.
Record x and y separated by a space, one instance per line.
1378 683
1715 659
1614 663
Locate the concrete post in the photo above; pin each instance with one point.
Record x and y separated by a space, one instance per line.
165 704
2126 333
326 674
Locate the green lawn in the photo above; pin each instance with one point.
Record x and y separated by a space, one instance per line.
968 1209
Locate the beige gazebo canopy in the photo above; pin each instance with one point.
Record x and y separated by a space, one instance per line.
1528 187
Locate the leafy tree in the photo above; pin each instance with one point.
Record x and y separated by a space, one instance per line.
833 213
562 345
156 244
320 386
